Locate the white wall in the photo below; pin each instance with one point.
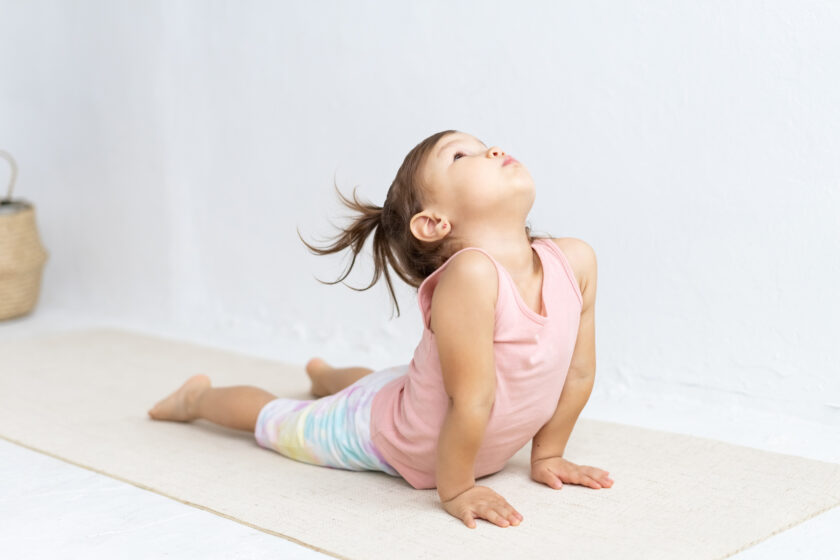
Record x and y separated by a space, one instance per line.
171 149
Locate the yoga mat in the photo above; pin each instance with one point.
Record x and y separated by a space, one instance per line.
82 396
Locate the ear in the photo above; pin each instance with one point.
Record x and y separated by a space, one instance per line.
428 226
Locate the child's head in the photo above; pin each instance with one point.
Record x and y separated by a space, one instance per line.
451 191
469 196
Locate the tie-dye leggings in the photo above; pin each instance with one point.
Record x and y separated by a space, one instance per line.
333 431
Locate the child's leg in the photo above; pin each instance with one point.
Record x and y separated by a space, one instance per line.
332 431
328 380
235 407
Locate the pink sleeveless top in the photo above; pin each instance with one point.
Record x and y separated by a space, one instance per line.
532 353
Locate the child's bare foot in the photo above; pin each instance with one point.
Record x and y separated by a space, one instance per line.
317 369
180 405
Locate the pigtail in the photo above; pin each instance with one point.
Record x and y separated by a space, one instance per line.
369 219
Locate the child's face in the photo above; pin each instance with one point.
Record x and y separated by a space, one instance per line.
468 182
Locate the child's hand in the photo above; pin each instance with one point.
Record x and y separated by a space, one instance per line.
554 471
480 501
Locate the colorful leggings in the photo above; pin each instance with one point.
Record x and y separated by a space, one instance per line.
333 431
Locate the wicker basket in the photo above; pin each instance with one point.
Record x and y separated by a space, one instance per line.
22 256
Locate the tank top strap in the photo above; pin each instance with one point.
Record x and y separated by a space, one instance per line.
559 257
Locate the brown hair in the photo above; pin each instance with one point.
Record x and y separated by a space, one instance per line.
393 243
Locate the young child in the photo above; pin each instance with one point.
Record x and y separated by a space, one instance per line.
507 352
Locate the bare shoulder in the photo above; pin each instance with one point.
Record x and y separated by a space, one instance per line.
581 257
467 286
463 322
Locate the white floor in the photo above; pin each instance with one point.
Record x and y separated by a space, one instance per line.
52 509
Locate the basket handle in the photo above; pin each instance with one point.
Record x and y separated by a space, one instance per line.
11 160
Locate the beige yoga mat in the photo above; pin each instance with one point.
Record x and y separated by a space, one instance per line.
82 396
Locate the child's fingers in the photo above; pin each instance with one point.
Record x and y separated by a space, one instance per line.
468 519
602 476
548 478
599 474
589 481
495 517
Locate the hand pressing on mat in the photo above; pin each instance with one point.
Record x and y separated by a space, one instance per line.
554 471
482 502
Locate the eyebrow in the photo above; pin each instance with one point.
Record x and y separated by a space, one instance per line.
452 142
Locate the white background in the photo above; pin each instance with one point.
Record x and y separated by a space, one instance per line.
172 149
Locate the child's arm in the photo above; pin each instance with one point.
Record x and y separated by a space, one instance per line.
547 463
551 440
463 321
